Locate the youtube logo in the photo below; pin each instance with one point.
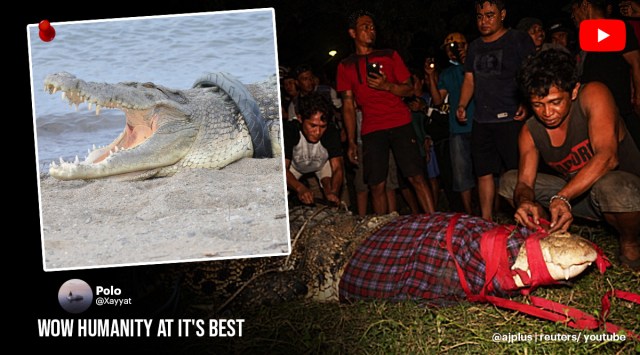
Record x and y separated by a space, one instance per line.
602 35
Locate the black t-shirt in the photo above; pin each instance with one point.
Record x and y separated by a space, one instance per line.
611 69
494 66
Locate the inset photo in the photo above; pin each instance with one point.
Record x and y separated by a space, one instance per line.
158 139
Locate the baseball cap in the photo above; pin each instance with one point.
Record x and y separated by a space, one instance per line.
558 25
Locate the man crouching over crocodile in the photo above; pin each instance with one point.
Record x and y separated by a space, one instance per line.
438 258
211 125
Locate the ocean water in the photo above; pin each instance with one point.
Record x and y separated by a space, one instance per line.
171 51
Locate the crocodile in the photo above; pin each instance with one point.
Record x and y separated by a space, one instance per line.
327 241
214 123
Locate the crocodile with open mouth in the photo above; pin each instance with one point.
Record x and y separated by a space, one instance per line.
216 122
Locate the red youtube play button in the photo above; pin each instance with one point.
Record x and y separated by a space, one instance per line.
602 35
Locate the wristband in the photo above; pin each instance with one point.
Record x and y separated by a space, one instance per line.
561 198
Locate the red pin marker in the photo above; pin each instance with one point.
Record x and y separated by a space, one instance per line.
47 32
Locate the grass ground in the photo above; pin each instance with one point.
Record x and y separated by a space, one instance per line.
410 328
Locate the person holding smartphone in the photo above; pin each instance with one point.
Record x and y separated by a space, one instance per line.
378 80
449 83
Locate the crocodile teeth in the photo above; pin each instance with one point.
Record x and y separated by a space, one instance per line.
61 161
55 89
53 164
63 95
89 105
566 273
115 149
97 110
94 147
77 160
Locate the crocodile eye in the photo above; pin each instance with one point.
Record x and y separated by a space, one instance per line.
175 95
149 85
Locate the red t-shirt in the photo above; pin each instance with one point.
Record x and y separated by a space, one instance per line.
380 109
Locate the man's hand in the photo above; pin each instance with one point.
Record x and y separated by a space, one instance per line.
561 216
429 66
529 209
417 105
305 195
521 113
461 114
352 153
378 81
332 198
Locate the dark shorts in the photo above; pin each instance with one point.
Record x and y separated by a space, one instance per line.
494 147
615 192
392 177
404 144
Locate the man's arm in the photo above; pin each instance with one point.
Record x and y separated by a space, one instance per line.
349 117
466 93
379 82
398 70
437 95
332 192
600 108
633 58
304 194
524 194
521 113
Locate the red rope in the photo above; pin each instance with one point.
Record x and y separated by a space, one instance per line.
494 253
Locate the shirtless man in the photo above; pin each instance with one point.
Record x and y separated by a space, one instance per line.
578 132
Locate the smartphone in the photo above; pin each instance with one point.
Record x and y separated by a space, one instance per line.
373 68
455 50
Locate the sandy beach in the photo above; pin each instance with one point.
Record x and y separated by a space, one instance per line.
198 214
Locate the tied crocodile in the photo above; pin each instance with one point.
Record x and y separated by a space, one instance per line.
337 256
216 122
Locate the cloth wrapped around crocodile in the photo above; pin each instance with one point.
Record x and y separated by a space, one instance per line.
338 256
216 122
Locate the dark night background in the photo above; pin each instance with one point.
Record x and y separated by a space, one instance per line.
306 32
415 29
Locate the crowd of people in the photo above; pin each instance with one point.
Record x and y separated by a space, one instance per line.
520 113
